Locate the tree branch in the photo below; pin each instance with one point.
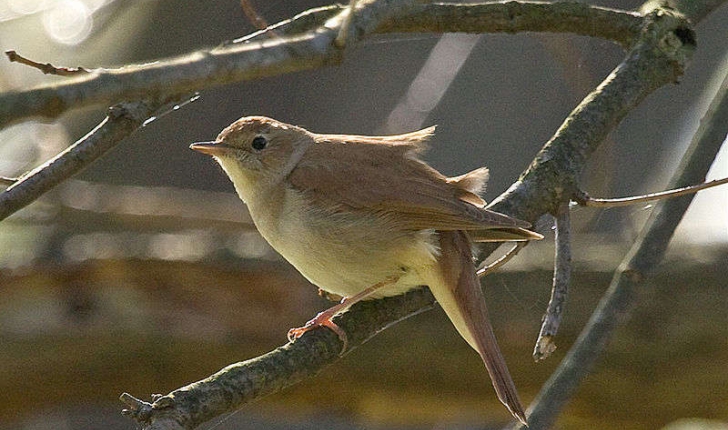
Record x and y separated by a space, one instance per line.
239 383
615 307
622 27
657 59
120 122
585 200
559 289
310 45
47 68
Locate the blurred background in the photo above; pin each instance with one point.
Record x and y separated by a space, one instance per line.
144 273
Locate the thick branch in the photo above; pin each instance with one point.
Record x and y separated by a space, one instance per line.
311 46
619 26
657 59
189 406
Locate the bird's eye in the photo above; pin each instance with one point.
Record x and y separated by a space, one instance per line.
259 143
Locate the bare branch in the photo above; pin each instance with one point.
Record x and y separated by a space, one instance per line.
647 252
47 68
622 27
189 406
585 200
120 121
310 44
659 58
560 287
505 258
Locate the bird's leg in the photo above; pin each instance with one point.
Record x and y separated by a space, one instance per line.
325 318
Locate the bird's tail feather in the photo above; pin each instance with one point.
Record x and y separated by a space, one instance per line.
462 299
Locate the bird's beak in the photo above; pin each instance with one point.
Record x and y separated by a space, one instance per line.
210 148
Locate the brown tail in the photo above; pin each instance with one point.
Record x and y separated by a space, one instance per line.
462 299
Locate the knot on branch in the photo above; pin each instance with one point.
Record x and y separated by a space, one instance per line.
158 415
672 34
139 410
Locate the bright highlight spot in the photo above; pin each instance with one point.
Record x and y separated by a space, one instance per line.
68 22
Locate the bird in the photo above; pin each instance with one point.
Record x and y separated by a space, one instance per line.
364 217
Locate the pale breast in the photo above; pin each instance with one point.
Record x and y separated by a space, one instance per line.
343 252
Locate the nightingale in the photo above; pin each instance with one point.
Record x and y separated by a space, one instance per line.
363 217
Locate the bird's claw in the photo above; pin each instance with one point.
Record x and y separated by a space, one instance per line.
321 320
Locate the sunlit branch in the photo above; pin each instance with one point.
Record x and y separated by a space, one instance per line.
308 42
47 68
585 200
119 123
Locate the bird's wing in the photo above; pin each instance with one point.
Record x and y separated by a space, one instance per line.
384 176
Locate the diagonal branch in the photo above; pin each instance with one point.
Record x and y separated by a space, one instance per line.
120 122
189 406
657 59
309 44
615 307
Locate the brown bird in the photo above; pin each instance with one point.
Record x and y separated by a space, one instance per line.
363 217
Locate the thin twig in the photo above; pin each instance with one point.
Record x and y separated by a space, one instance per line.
560 287
4 180
505 258
47 68
584 199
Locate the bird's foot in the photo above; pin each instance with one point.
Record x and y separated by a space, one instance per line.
323 319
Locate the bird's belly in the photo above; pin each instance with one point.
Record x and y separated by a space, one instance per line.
345 254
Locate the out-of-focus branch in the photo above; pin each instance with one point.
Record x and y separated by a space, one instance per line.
615 307
119 123
309 44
